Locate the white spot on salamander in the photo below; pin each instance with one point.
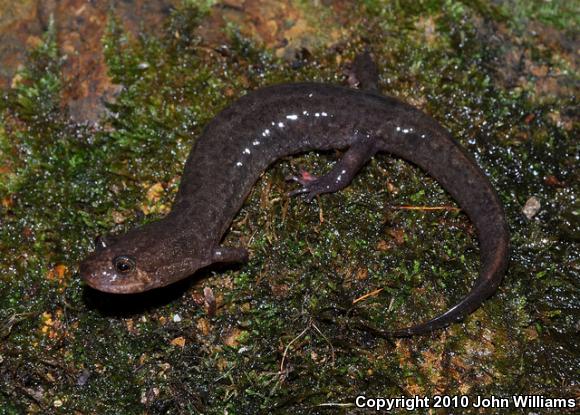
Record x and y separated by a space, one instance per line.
255 143
247 151
239 164
281 125
292 117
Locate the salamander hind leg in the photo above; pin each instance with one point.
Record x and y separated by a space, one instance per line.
364 73
341 174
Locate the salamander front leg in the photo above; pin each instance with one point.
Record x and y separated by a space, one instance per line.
230 255
341 174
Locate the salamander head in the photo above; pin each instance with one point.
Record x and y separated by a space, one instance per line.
138 261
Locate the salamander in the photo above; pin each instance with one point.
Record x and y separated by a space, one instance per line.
239 144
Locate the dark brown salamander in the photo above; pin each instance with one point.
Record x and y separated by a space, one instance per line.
281 120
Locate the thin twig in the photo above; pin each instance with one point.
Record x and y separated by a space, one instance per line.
364 297
290 344
327 341
427 208
336 404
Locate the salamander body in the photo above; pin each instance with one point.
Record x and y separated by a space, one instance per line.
278 121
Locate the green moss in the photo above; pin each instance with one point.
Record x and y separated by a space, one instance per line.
288 315
560 14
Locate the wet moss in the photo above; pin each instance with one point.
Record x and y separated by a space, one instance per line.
285 337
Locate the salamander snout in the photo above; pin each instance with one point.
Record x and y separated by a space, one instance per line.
115 273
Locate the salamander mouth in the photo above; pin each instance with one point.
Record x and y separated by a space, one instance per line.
113 284
125 288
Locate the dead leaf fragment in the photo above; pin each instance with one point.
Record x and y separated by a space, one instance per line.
553 181
398 236
383 245
178 342
362 274
232 338
203 326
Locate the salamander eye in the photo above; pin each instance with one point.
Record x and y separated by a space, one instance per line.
124 264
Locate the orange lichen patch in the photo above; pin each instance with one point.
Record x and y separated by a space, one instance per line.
203 326
130 324
531 333
20 23
362 274
383 245
414 388
565 122
404 354
280 290
427 26
80 31
27 232
58 275
178 342
232 338
119 217
60 270
47 321
398 236
553 181
16 81
222 364
538 70
432 367
7 202
51 324
153 196
155 192
282 25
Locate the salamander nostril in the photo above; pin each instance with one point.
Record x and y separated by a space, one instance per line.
100 242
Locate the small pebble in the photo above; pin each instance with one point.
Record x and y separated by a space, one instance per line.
83 377
532 207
